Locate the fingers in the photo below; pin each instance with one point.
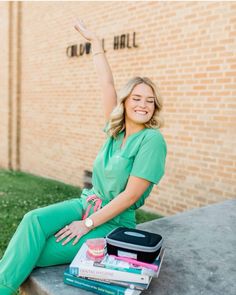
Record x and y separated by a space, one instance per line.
69 233
64 235
80 25
80 21
76 240
64 229
68 239
75 230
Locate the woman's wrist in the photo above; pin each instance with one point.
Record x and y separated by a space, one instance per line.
99 52
96 40
97 46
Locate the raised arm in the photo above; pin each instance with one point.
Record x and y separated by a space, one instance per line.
109 96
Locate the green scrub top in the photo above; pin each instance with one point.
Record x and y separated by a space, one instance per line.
143 155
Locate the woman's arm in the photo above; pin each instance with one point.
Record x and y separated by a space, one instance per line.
101 64
102 67
105 78
134 190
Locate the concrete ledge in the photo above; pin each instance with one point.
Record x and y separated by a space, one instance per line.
200 256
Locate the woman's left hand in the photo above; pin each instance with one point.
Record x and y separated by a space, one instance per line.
74 230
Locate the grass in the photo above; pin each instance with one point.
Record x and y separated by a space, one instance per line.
21 192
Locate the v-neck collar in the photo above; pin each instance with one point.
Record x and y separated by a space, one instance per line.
120 140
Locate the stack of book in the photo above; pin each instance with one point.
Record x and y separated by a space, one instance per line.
112 275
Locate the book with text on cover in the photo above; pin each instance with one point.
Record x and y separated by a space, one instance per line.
84 267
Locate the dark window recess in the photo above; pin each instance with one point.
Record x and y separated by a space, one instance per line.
87 179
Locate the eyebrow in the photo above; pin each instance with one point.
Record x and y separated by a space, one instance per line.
141 95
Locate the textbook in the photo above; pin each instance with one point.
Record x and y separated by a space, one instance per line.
97 286
117 263
84 267
137 286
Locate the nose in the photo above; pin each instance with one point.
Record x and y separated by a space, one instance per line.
142 103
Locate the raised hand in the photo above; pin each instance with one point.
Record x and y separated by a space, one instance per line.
84 31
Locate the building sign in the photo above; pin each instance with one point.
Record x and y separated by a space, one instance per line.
119 42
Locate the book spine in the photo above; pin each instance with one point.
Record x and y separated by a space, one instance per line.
109 266
146 272
111 262
109 274
142 271
74 271
96 287
129 285
89 287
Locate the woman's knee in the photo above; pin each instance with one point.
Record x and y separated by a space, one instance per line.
32 217
30 214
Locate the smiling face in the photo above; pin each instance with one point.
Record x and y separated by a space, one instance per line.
140 105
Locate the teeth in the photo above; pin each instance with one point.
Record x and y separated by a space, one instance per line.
142 113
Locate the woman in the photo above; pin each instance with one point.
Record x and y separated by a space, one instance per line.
129 163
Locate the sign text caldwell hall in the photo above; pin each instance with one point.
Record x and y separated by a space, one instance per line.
119 42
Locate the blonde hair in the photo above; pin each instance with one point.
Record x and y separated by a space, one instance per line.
117 118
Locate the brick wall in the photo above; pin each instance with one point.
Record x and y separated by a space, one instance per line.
50 111
4 85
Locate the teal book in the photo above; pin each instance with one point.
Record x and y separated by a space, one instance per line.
97 286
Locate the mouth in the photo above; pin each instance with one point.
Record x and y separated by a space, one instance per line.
143 113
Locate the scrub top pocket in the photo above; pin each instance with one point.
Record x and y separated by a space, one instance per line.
118 167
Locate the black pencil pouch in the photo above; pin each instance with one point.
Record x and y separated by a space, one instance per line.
134 243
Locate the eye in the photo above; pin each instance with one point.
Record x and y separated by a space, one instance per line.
138 99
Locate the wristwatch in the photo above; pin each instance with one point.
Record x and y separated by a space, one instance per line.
88 222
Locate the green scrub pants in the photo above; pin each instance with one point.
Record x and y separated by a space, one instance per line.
34 245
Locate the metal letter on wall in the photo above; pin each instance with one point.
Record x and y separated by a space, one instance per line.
71 51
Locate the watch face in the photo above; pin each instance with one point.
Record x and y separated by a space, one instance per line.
88 222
